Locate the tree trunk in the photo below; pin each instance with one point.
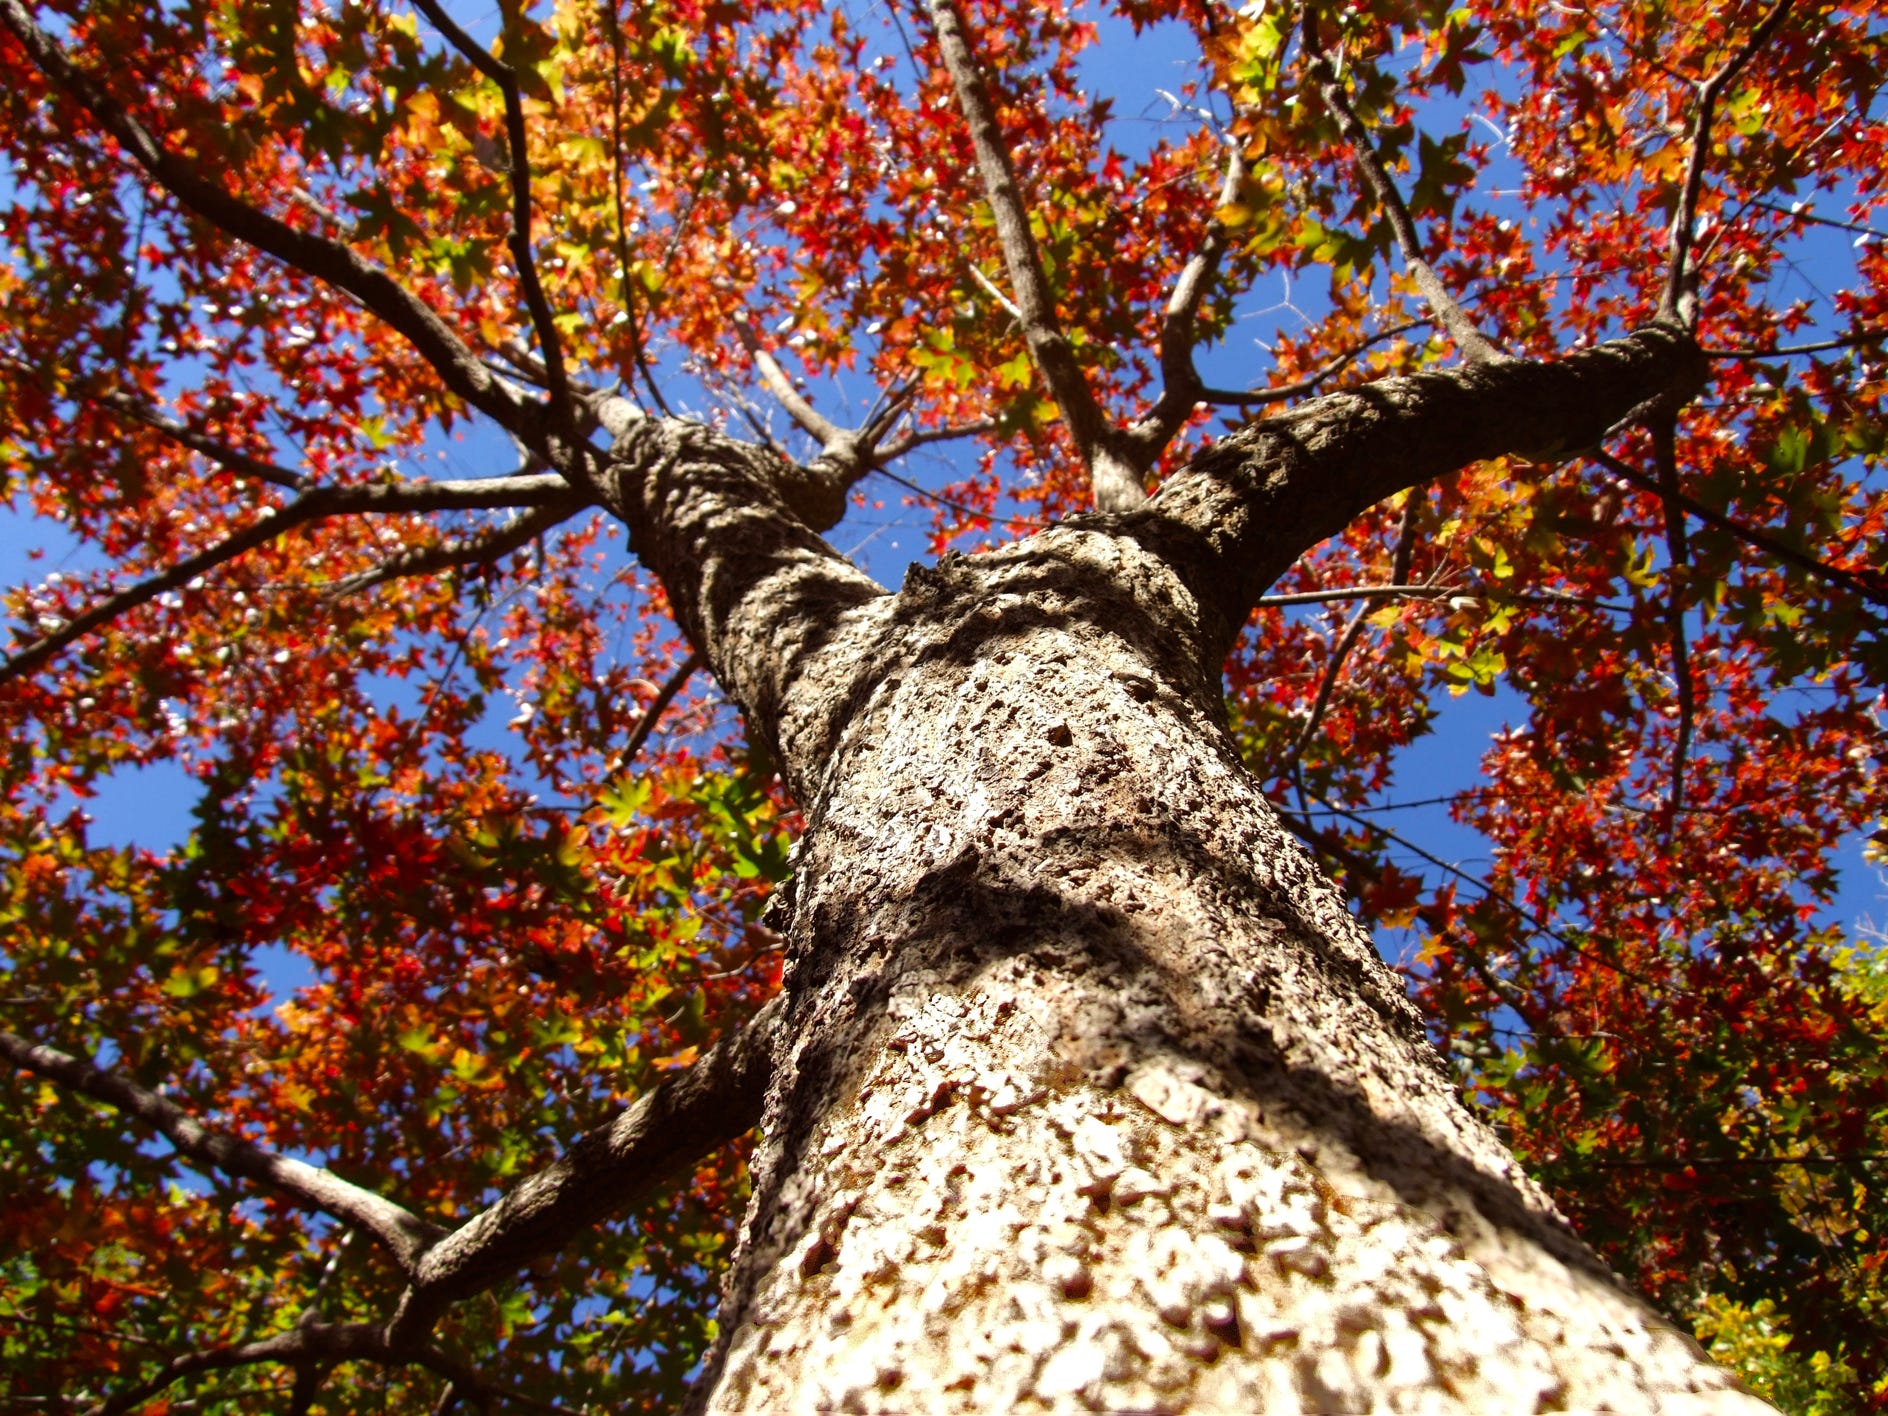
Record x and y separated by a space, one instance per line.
1095 1096
1099 1097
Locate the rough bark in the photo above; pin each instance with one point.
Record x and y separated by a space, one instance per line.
775 611
1096 1096
1237 516
1100 1098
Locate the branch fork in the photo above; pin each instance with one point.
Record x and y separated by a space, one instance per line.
846 455
1118 458
1469 340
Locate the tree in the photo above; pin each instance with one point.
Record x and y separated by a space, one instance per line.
1076 1081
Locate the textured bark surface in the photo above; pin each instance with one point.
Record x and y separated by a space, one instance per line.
778 613
1098 1097
1094 1096
1236 517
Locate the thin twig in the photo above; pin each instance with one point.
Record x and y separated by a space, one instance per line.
197 441
750 415
1354 863
184 435
658 705
134 292
1488 892
517 142
888 409
1665 453
1821 570
1848 341
1679 300
519 363
1733 1161
82 1329
311 1312
1248 398
1399 572
1474 345
1439 592
922 437
962 507
1813 219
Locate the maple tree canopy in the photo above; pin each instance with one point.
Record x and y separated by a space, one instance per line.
325 330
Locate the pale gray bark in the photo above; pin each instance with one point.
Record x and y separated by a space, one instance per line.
1095 1096
1099 1099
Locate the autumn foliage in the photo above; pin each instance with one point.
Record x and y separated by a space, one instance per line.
469 859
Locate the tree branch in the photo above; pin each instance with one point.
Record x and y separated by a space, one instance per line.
811 421
1241 511
318 504
398 1231
1251 398
995 292
1473 344
1112 474
215 449
296 1346
683 1117
847 454
327 260
309 1346
307 1385
889 408
1821 570
1359 592
617 181
519 242
1679 300
1399 571
452 554
1181 389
